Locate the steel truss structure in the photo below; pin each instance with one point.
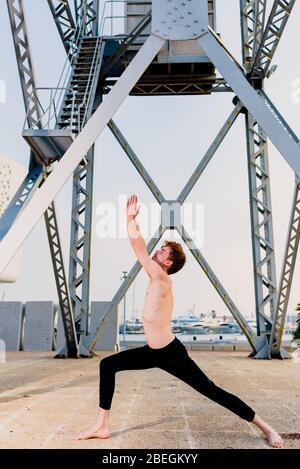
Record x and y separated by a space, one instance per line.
101 64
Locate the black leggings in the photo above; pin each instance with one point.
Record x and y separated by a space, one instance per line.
174 359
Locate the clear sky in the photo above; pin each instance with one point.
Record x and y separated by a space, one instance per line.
170 136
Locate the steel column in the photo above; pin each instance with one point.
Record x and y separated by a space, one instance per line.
64 21
287 273
262 238
276 24
87 12
37 174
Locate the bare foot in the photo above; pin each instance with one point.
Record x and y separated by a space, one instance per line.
274 439
101 432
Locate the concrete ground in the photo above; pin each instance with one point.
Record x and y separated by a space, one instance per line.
44 402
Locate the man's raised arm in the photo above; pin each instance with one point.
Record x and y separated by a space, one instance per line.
137 241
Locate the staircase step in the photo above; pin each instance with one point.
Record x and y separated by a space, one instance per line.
67 111
88 40
86 50
79 85
82 89
83 77
82 64
70 95
79 72
73 110
80 75
70 100
66 114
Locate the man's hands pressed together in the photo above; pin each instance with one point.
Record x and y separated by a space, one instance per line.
132 209
132 212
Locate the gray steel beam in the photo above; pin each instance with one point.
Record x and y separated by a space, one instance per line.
36 173
255 342
61 281
87 12
263 253
274 29
64 21
136 162
209 154
253 13
220 86
257 104
287 273
80 240
25 68
262 238
187 87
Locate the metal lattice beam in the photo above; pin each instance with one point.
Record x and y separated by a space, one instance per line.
288 269
252 339
37 173
261 225
258 104
22 50
135 161
87 12
262 238
210 152
64 21
80 240
61 281
253 13
182 86
276 24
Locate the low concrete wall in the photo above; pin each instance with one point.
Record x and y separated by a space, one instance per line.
109 339
11 324
39 326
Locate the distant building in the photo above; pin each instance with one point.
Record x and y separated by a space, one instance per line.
11 176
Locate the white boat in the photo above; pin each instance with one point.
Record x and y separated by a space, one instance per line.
132 327
195 328
225 328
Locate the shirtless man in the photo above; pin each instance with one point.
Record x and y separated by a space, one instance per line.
163 349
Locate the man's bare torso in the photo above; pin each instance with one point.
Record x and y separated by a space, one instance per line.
157 312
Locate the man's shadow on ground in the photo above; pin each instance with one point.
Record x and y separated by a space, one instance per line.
144 425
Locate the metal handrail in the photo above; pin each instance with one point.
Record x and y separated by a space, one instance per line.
87 95
69 61
48 111
112 16
57 93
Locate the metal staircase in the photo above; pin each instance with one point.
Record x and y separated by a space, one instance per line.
70 106
79 96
